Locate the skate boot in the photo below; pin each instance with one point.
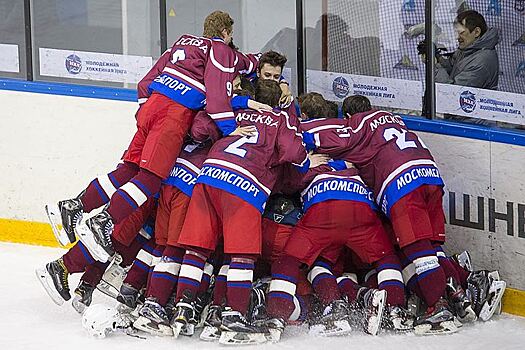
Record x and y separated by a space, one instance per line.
236 330
184 314
64 217
459 302
53 278
463 259
95 234
112 278
372 303
438 319
275 329
333 320
257 307
485 292
397 319
153 319
83 296
128 296
212 325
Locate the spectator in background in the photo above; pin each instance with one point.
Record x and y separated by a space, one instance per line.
475 63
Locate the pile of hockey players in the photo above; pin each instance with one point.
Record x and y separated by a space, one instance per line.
239 211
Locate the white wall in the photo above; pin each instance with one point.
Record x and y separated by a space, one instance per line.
52 146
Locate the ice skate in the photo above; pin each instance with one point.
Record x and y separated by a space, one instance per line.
128 295
463 259
275 329
53 277
438 319
460 302
183 316
236 330
88 238
101 227
257 307
83 296
333 320
153 319
113 278
212 325
397 319
64 217
372 302
485 292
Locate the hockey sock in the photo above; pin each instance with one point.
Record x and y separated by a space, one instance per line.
324 282
348 286
206 278
165 275
239 282
430 276
190 275
128 254
94 273
219 290
447 267
301 307
100 190
147 257
78 258
138 223
462 273
389 278
370 279
158 250
285 272
133 194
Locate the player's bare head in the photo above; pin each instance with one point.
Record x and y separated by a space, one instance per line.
244 87
271 65
333 109
218 24
268 92
355 104
312 105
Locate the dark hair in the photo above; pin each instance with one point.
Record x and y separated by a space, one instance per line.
215 23
472 20
273 59
333 109
268 92
313 105
356 104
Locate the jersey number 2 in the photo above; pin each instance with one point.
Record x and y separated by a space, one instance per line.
235 147
400 136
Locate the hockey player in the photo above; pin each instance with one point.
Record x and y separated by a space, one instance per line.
230 194
399 168
196 72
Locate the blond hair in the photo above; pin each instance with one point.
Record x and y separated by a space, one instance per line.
215 23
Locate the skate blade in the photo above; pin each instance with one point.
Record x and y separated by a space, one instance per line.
210 333
497 288
469 317
47 282
107 289
188 330
338 328
88 240
237 338
78 305
176 328
274 335
55 220
374 322
446 327
146 325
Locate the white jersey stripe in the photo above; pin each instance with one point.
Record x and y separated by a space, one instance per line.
189 165
220 66
185 77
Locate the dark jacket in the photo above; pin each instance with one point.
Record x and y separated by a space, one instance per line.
476 65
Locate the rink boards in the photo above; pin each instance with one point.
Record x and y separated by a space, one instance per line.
53 145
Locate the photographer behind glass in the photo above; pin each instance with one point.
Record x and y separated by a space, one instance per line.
475 63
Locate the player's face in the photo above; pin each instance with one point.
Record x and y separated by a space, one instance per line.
465 36
268 72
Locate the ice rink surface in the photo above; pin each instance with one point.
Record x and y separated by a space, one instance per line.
30 320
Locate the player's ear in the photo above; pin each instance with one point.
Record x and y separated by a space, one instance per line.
348 116
303 116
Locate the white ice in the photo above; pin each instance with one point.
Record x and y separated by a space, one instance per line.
30 320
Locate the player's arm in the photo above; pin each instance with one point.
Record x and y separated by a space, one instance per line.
290 146
143 90
218 77
204 129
